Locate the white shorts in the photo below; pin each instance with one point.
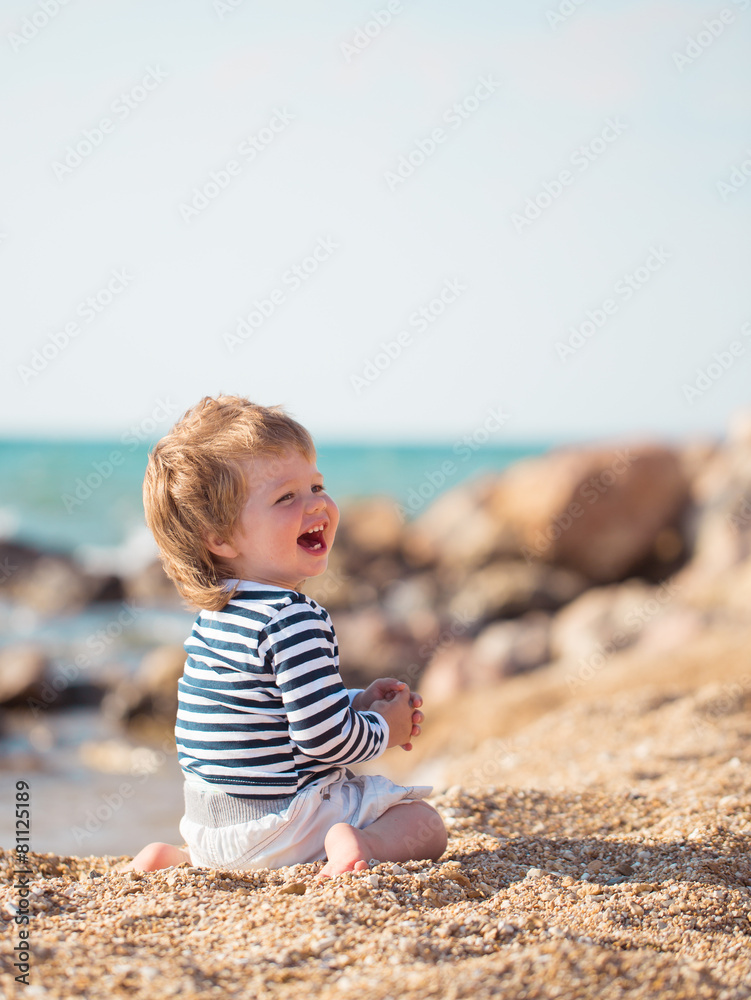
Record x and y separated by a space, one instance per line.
295 835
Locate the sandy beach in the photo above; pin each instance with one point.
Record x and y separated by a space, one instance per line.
617 865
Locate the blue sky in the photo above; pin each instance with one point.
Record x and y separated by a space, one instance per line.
301 134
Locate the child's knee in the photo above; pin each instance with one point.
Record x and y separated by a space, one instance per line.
431 831
155 856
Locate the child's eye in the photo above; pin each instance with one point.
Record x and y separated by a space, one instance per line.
287 496
320 488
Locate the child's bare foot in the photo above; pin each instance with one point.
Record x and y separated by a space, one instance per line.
155 856
347 850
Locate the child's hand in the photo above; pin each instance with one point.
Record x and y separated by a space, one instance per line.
397 711
386 689
383 688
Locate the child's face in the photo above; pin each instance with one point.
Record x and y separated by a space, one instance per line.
272 542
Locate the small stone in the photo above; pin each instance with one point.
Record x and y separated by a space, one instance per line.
398 870
459 878
372 880
446 930
534 873
294 888
624 868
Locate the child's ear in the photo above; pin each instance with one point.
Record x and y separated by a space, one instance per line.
218 547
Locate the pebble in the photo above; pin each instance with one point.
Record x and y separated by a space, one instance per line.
294 889
483 917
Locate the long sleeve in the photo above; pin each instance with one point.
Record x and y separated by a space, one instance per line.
300 646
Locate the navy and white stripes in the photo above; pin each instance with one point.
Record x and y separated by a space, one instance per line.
262 710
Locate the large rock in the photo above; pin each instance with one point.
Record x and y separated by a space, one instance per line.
152 691
602 512
370 647
718 578
23 668
151 586
458 532
500 650
370 527
52 584
507 589
606 620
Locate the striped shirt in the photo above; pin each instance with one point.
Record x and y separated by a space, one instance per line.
262 710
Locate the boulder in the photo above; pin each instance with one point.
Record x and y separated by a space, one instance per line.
500 650
151 587
23 668
54 584
457 531
371 647
604 617
718 578
507 589
370 527
600 511
152 691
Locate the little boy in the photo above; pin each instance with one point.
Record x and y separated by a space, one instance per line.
265 728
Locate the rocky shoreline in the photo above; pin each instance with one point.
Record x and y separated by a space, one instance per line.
573 556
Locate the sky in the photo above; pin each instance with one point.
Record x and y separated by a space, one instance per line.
396 218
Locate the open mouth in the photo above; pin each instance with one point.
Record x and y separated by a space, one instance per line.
312 540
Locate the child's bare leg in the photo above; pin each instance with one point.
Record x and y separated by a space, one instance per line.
403 832
155 856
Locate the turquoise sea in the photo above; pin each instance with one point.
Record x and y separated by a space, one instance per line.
84 497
